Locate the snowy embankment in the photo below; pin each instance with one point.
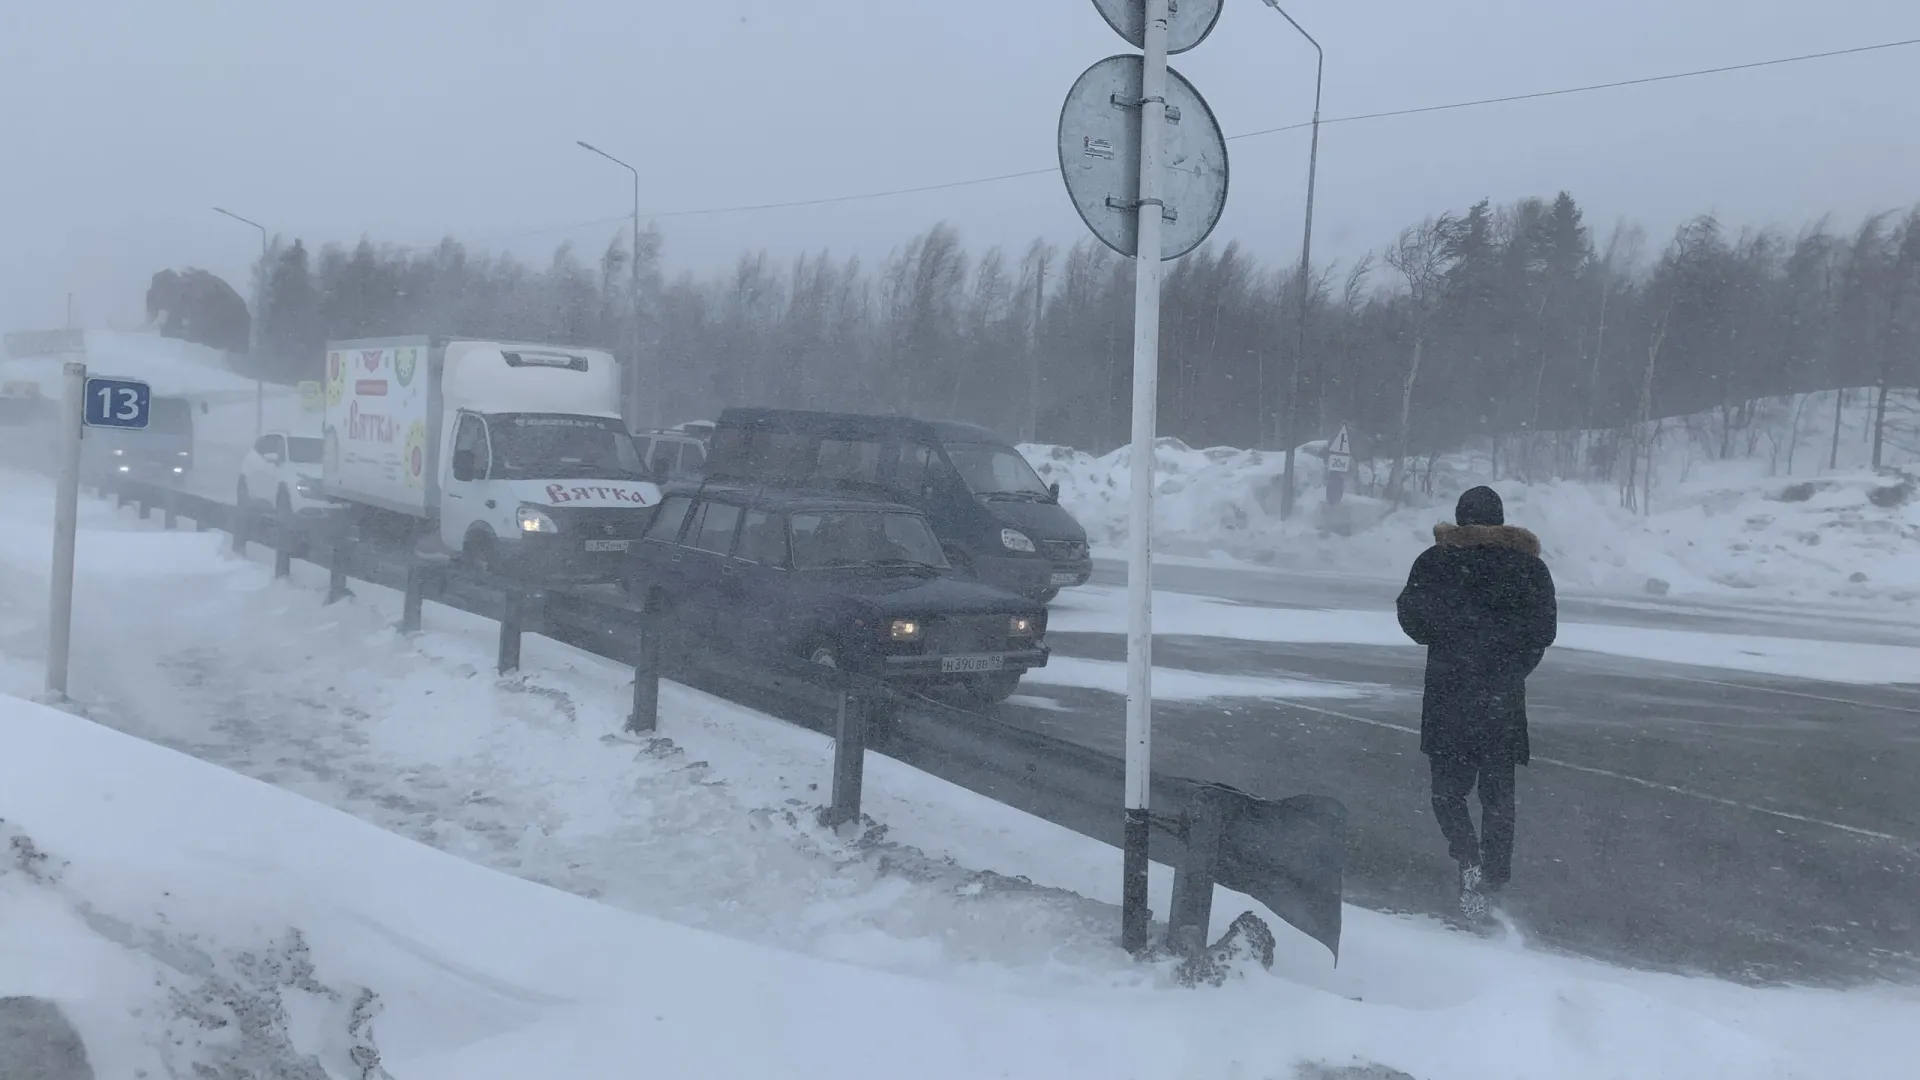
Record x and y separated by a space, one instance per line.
1737 527
713 929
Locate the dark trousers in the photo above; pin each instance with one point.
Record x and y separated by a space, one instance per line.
1492 850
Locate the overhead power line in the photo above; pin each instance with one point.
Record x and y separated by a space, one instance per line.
1413 111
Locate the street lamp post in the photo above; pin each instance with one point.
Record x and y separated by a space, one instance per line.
633 406
1291 415
253 324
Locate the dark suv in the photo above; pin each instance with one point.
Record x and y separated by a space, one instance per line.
997 521
841 581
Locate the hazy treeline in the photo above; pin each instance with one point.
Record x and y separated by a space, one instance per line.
1489 321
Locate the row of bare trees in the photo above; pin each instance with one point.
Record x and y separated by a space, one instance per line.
1503 323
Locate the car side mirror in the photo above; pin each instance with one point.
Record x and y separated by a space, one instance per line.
1053 490
463 464
273 457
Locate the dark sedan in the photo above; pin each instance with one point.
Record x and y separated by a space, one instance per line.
838 581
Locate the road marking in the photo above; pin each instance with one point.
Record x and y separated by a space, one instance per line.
1797 694
1653 784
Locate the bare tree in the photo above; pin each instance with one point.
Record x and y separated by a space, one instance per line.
1420 257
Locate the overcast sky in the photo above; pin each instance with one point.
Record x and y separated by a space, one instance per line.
123 121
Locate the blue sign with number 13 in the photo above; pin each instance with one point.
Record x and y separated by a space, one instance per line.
117 403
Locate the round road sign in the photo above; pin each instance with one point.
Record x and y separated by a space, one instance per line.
1100 158
1188 21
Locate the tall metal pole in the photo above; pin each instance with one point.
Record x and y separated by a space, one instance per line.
1134 916
1291 414
253 324
633 381
66 518
1033 348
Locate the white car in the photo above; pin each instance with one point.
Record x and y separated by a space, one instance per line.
282 472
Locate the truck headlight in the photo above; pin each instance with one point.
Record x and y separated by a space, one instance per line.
905 630
1020 626
534 520
307 487
117 453
1015 540
178 469
123 468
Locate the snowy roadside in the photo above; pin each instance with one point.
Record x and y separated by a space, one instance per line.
1742 528
185 646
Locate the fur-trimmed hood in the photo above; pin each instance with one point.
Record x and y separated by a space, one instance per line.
1447 534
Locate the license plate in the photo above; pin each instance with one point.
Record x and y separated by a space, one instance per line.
607 545
969 665
1065 577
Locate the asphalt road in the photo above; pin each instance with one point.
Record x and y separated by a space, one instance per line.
1678 818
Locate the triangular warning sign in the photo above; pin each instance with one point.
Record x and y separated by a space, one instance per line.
1340 444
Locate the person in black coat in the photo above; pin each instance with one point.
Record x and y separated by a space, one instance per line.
1482 602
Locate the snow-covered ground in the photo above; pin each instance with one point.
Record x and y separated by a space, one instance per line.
713 929
1745 526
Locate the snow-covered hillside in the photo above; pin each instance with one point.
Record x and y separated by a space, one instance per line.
1746 525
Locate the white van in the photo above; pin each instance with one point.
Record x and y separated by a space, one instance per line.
511 455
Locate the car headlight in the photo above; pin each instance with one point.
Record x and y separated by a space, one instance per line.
1020 626
1015 540
307 487
905 630
533 520
123 468
117 453
178 469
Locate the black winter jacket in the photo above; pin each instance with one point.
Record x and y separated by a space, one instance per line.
1483 604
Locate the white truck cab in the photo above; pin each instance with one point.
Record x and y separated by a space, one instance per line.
512 455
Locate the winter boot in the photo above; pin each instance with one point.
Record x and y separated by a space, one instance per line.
1474 906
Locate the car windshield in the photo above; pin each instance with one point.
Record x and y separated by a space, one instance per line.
304 451
529 446
863 538
991 470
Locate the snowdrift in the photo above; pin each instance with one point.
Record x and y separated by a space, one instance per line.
185 917
1743 526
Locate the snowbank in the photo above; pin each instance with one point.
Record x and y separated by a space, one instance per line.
1744 526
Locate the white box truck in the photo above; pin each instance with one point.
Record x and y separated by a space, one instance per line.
513 456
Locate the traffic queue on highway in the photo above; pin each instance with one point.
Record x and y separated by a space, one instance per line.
921 551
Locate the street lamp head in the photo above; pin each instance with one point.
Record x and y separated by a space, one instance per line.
587 145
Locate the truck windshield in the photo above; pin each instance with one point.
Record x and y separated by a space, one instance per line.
831 538
539 446
996 471
304 451
170 416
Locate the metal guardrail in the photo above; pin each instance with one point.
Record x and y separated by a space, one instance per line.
1290 854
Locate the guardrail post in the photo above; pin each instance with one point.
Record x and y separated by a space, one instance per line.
857 703
416 597
645 716
512 611
1203 821
241 526
120 496
170 501
284 537
337 555
146 506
